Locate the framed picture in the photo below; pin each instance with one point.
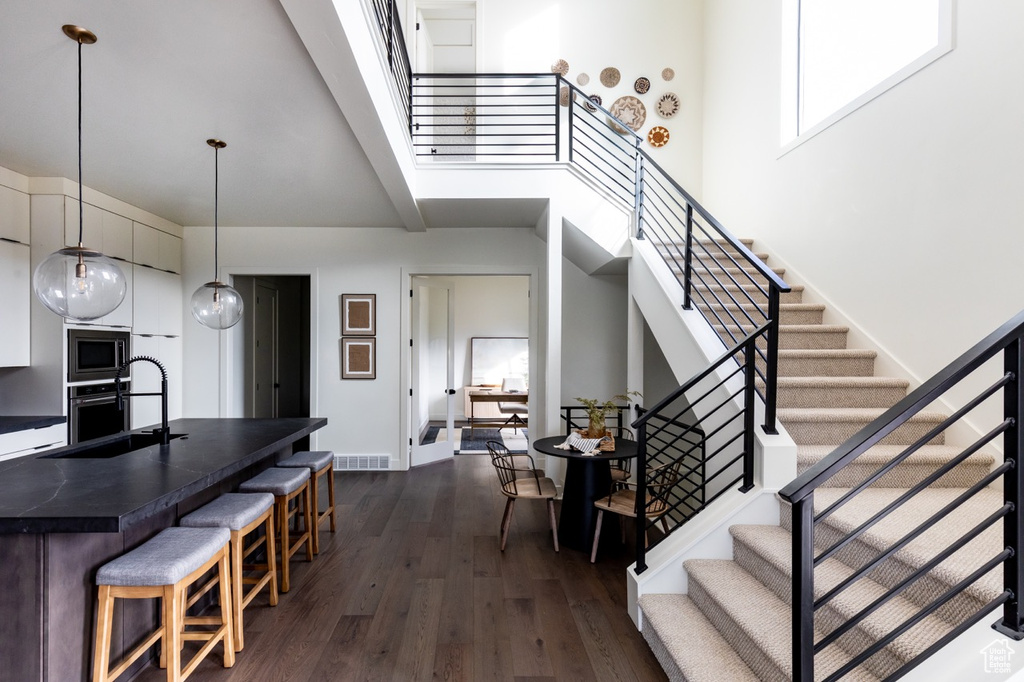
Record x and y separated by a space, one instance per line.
358 314
358 358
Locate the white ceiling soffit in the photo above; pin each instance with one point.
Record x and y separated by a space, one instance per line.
161 79
483 212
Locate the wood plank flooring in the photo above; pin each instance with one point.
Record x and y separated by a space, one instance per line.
414 587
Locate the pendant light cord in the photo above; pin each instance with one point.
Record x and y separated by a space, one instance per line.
81 209
216 197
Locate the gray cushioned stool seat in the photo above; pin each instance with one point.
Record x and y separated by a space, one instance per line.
315 460
230 510
170 556
276 481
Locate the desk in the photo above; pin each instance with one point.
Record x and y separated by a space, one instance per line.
587 477
493 395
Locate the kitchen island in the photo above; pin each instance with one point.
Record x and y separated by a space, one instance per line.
63 515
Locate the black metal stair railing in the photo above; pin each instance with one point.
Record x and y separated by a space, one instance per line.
705 428
998 411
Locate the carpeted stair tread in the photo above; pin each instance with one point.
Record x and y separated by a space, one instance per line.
835 425
754 620
907 473
672 625
938 535
826 362
765 552
789 313
793 336
841 391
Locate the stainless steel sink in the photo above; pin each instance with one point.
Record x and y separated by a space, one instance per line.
112 446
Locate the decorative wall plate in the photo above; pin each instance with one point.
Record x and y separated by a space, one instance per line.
630 111
561 67
610 77
668 74
582 79
667 105
563 95
596 99
658 136
642 85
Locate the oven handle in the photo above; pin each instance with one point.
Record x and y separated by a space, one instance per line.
88 400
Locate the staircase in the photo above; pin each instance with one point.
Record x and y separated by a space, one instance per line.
739 609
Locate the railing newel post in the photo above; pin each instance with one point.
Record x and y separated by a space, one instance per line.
1012 622
803 589
750 371
641 494
688 259
771 370
558 117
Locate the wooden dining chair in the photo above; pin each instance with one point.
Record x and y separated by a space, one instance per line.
520 479
660 481
621 469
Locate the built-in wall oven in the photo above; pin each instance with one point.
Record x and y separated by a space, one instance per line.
93 411
95 354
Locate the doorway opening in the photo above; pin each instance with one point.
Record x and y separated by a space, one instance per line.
276 336
450 312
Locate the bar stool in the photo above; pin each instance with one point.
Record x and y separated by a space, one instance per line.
164 567
320 463
286 485
242 514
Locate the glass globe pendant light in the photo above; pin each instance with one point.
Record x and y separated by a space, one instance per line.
79 283
216 304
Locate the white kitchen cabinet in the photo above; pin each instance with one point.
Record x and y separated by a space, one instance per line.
170 253
157 303
16 280
103 231
32 441
14 215
123 315
146 379
145 245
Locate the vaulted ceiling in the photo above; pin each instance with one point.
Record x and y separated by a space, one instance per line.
161 79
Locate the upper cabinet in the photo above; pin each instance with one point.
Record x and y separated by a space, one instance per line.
156 248
15 278
107 232
14 215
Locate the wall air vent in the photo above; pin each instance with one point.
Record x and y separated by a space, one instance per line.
362 462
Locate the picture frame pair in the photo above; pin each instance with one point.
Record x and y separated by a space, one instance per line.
358 336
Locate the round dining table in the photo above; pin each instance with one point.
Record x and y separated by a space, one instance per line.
587 477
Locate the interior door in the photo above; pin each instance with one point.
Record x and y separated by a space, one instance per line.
446 43
265 366
433 372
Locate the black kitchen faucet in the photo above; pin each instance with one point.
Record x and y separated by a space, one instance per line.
164 431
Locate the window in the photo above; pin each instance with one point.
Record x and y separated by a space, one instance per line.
849 51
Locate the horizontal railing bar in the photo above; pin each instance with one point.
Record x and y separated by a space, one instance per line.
674 395
473 153
597 168
620 155
934 476
614 142
485 74
908 581
961 628
926 394
922 527
921 615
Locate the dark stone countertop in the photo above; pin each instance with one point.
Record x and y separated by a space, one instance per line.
12 424
44 494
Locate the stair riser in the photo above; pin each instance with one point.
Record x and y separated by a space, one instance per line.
752 655
839 432
817 340
826 367
895 569
819 396
826 618
905 475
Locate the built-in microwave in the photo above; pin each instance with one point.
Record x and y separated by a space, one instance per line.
95 354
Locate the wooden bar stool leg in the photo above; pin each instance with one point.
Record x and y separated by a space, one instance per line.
281 507
236 588
314 494
310 528
172 627
271 559
104 618
330 498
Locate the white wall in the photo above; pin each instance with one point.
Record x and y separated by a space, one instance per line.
639 38
905 214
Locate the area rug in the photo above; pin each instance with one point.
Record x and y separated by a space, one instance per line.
475 443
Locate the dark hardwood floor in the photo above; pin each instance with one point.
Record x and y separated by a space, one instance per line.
414 587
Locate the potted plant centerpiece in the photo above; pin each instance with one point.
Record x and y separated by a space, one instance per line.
598 411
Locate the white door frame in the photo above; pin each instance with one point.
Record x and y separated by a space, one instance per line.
439 450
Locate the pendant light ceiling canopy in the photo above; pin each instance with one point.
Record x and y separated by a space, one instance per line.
215 304
76 282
